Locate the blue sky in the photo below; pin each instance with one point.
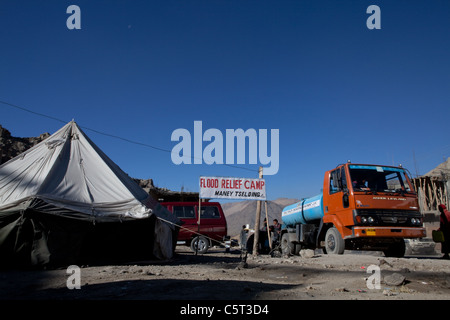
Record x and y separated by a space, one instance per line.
336 90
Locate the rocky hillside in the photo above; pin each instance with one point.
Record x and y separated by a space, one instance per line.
12 146
244 212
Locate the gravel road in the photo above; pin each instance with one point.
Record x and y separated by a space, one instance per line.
218 275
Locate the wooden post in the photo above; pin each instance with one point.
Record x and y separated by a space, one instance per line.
268 229
257 220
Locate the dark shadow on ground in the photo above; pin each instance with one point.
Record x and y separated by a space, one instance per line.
157 289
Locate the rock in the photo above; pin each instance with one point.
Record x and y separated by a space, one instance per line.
382 262
307 253
388 293
395 279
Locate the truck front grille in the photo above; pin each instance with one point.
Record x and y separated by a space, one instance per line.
393 220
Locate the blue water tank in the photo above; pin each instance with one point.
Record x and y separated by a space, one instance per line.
303 212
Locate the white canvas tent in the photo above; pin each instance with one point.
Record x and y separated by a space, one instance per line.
59 190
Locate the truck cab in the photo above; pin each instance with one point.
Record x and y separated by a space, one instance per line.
372 206
363 207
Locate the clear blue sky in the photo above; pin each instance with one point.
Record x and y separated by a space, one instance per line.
312 69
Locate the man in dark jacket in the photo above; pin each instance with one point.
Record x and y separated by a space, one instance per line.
276 231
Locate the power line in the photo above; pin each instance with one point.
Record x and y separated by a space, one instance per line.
33 112
111 135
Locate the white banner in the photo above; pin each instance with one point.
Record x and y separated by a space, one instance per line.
232 188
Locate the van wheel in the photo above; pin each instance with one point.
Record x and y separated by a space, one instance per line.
201 244
334 244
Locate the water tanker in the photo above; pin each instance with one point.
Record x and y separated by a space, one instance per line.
303 212
362 207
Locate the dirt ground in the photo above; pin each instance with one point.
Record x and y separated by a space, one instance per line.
220 275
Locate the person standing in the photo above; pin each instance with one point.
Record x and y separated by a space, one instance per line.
243 237
276 231
445 228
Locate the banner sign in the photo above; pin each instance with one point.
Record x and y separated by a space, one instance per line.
232 188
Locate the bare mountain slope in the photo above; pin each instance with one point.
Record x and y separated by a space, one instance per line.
244 212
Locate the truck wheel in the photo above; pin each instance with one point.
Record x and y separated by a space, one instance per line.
201 244
396 250
334 244
287 247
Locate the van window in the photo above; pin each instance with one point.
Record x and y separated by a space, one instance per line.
210 213
184 211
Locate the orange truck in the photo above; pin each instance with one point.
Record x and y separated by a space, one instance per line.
362 207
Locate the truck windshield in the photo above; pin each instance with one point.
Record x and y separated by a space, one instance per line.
378 179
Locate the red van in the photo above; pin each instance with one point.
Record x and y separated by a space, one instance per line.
213 225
